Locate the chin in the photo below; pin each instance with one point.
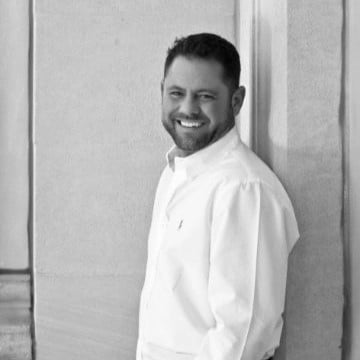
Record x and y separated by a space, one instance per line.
190 145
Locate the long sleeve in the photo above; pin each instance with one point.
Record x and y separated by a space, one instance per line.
253 231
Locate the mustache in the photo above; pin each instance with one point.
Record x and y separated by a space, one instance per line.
193 117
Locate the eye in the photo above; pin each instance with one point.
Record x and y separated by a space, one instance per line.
175 94
206 97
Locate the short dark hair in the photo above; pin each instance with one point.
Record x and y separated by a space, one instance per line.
207 46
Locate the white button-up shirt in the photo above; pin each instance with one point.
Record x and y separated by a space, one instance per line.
221 232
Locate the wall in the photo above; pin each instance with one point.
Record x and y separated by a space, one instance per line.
14 129
352 166
298 77
99 149
15 318
316 277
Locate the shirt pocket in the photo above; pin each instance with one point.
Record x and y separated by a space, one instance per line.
170 265
187 240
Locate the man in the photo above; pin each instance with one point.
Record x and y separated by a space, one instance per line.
222 225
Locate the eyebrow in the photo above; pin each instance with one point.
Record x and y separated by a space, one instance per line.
176 87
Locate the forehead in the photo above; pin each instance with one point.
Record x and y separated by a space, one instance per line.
195 73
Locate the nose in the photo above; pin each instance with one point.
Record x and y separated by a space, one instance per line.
189 106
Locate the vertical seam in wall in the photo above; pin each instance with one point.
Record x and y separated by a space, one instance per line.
255 76
237 24
343 123
287 79
31 177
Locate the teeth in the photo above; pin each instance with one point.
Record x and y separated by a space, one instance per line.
190 124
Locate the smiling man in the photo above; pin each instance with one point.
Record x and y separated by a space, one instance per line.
199 103
222 225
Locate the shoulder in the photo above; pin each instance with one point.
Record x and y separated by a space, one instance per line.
248 186
242 169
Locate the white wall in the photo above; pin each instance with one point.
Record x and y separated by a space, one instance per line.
14 134
15 317
298 77
315 292
100 148
99 151
352 86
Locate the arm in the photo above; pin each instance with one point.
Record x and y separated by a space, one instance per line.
252 234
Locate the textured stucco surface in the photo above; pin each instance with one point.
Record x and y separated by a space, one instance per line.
353 210
14 119
315 290
99 151
300 137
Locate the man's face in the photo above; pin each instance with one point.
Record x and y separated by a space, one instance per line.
197 106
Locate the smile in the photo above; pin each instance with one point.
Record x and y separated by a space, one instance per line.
189 123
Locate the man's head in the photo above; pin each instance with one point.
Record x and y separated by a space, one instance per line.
208 47
200 90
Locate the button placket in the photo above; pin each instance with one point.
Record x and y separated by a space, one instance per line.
179 179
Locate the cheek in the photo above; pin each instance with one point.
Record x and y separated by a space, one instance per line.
168 106
216 112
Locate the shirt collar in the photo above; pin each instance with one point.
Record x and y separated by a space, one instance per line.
197 162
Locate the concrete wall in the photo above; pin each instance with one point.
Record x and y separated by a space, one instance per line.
352 88
14 133
315 290
15 317
99 151
298 132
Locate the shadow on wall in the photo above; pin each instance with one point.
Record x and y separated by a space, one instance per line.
310 170
262 109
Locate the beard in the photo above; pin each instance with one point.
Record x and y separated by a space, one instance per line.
189 143
192 140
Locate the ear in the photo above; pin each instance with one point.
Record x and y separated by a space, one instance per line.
237 99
